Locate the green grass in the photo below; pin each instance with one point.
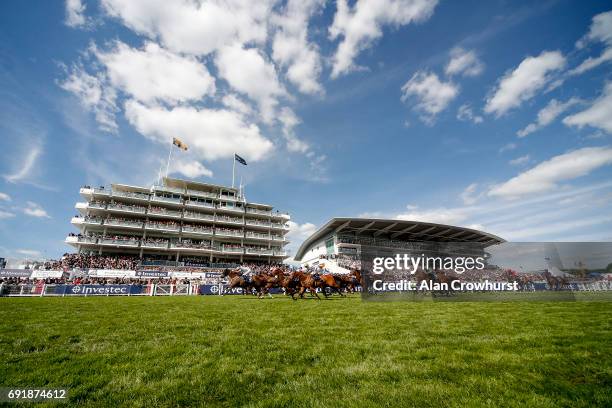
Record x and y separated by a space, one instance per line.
236 351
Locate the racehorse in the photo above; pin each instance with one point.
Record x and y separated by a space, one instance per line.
236 280
306 282
349 281
420 276
283 281
555 282
442 277
327 280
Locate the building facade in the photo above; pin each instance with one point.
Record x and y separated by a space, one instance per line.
180 220
348 243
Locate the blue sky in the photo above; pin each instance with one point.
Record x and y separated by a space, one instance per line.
495 115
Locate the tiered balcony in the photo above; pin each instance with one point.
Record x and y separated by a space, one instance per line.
258 211
197 193
155 244
123 223
257 235
226 233
86 221
232 250
73 239
131 195
228 220
199 204
278 225
189 246
257 223
193 229
163 212
191 215
124 242
96 205
259 251
169 200
134 209
159 226
235 210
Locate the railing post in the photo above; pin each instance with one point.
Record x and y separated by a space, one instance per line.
42 292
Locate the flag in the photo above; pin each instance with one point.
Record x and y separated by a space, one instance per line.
239 159
180 144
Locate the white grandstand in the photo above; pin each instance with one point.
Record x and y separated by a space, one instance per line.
179 220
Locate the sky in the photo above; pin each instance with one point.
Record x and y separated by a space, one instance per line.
493 115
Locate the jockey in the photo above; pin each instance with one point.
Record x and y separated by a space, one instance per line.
247 273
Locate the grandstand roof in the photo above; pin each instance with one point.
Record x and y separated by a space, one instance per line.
399 230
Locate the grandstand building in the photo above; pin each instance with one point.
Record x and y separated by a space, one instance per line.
180 220
344 243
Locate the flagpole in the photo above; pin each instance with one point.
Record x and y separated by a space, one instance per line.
233 170
169 157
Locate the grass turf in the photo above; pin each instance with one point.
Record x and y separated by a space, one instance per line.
237 351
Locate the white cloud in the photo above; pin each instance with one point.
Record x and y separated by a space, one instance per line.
29 252
527 219
453 216
547 115
593 62
359 25
195 27
291 48
95 95
35 210
211 133
152 74
546 175
236 104
524 82
5 197
75 13
598 115
248 72
289 120
432 94
519 161
191 169
299 232
468 195
600 31
507 147
464 62
465 113
6 214
28 164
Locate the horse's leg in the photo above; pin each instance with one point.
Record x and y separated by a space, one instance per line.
314 290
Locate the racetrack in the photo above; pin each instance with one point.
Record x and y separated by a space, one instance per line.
240 351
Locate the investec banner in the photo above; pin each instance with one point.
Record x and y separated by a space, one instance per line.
151 274
46 274
111 273
214 290
99 290
15 273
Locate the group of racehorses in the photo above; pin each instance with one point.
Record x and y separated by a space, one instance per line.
294 284
297 283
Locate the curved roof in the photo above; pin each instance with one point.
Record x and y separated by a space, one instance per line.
400 230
